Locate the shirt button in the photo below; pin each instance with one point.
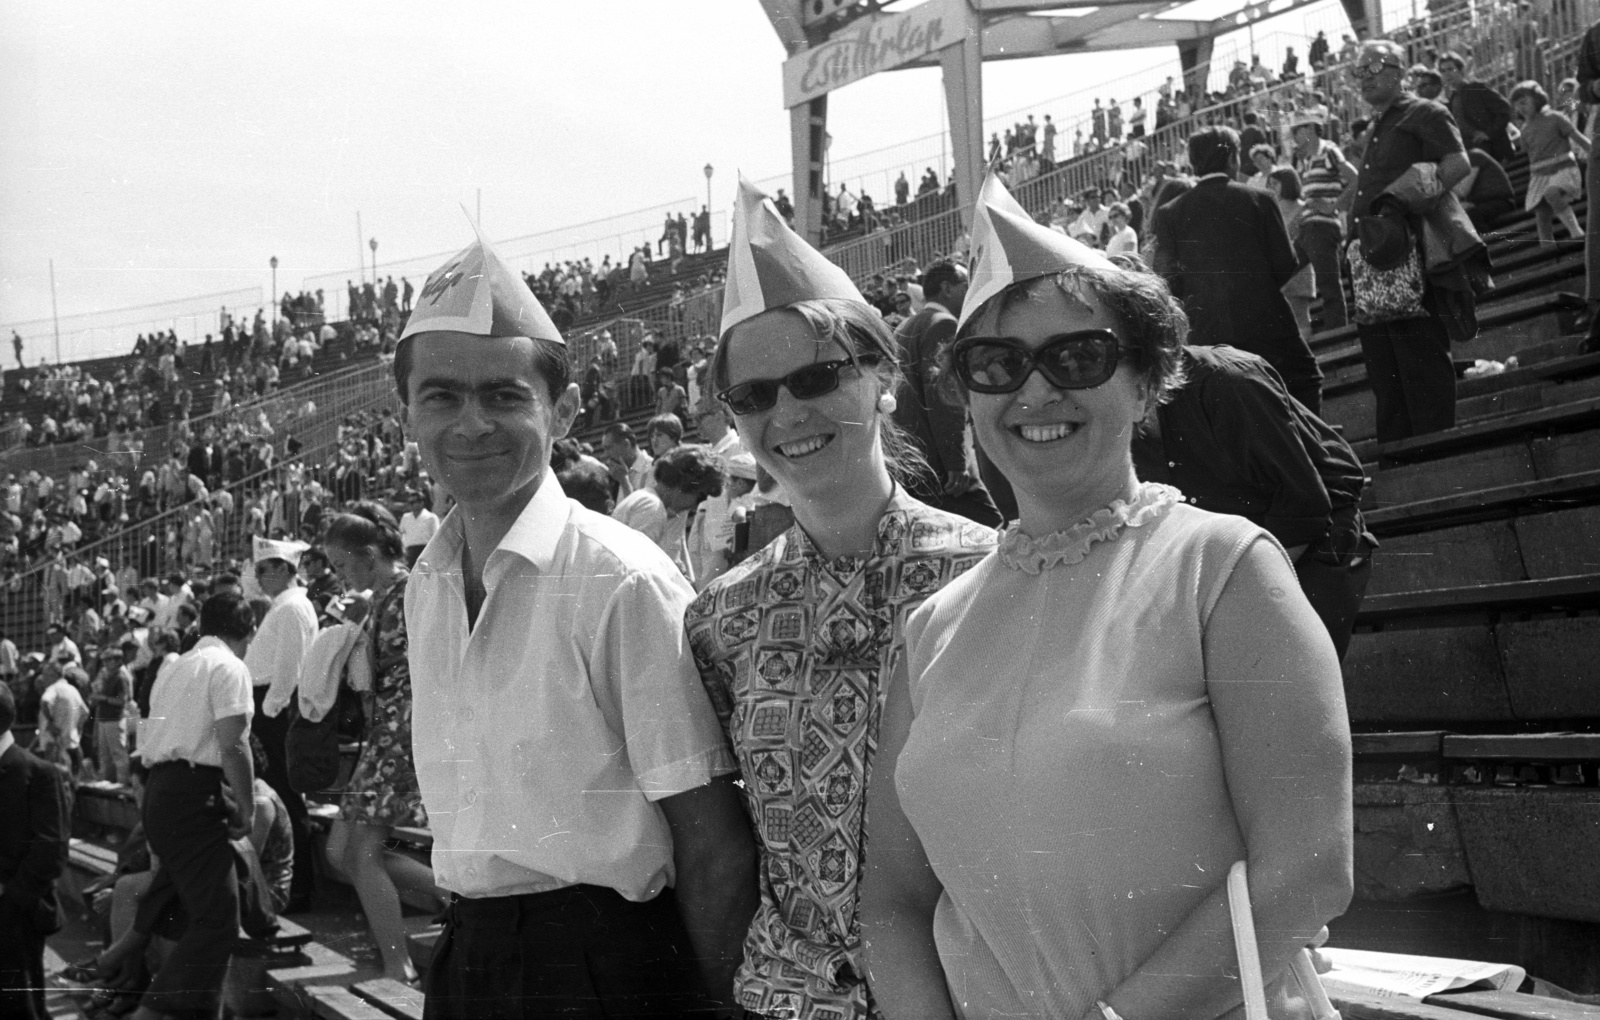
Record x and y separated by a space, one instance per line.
471 797
472 872
468 714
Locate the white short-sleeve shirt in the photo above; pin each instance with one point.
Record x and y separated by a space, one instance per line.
544 736
204 685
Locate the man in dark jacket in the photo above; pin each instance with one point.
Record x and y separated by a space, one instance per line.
1234 442
937 426
1481 113
1225 252
1408 360
33 850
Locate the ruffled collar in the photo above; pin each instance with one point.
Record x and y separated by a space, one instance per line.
1036 555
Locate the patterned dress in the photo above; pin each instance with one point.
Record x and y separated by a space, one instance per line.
793 650
383 787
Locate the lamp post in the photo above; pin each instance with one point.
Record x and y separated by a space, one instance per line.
273 262
373 244
709 172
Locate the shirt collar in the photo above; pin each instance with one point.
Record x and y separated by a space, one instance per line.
6 740
287 593
1222 175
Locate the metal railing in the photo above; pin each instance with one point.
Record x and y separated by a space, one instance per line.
141 449
175 539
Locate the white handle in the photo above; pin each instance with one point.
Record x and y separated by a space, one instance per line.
1244 943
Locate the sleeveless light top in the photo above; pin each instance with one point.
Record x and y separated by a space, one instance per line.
1063 769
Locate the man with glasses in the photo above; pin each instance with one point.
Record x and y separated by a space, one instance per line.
1408 361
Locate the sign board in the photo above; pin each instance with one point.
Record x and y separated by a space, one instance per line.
872 45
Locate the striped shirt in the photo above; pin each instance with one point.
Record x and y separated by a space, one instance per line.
1320 183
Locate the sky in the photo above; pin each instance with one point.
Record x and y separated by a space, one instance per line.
160 153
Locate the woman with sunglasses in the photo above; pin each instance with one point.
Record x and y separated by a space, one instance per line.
1092 725
794 643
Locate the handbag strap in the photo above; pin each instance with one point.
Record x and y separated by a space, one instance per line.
1244 944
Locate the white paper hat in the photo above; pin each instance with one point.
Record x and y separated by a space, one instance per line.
771 266
1009 247
476 293
271 549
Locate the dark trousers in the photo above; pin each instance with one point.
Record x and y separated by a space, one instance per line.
1321 241
21 966
273 732
582 951
186 824
1413 381
1335 591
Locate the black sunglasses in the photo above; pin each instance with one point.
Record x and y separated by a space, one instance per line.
805 383
1068 361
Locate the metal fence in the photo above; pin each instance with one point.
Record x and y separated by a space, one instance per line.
268 415
175 539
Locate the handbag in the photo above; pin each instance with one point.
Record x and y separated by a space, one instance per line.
1302 972
1387 295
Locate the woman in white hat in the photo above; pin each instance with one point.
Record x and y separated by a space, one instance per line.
794 642
1096 722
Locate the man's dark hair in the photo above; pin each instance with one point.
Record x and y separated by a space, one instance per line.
177 579
942 273
227 615
669 424
1250 118
1213 149
690 468
228 580
587 484
1288 182
549 362
622 431
8 708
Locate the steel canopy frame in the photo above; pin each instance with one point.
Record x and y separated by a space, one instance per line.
988 30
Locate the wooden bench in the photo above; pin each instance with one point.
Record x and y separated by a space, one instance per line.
1575 592
1515 1006
1573 416
1502 501
1491 316
1462 1006
378 999
101 862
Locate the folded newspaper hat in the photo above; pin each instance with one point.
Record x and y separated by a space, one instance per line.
271 549
770 266
1009 247
476 293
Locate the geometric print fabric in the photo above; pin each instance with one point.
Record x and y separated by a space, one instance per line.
794 652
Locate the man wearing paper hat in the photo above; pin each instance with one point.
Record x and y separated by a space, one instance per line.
274 658
571 765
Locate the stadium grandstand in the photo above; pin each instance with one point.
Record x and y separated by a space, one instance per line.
1471 678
